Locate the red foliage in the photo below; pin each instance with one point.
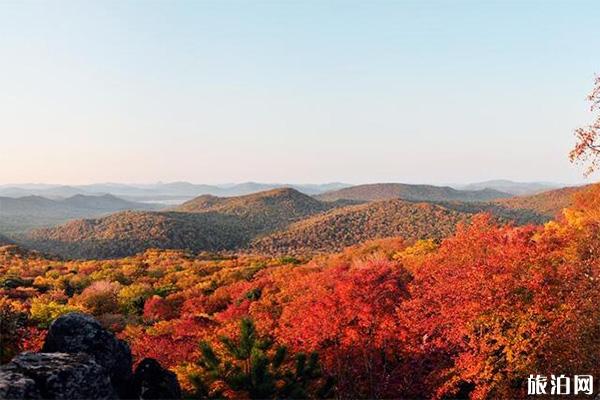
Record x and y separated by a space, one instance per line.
33 339
347 314
156 308
487 308
170 342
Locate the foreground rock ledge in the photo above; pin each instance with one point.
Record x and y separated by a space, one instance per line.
82 360
54 376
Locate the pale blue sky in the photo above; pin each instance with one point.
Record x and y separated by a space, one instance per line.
293 91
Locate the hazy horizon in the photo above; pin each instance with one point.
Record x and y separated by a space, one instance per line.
294 92
224 184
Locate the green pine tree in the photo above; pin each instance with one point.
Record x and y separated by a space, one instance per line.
252 366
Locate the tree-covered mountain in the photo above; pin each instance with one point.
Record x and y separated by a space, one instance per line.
274 221
267 210
205 223
131 232
351 225
347 226
549 203
387 191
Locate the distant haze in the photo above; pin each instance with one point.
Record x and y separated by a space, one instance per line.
309 91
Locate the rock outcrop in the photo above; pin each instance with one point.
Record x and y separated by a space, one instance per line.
16 385
80 333
82 360
54 376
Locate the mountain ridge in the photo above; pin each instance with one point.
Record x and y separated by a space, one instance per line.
159 191
342 227
410 192
511 187
209 223
549 203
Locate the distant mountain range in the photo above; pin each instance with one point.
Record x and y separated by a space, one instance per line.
174 192
275 221
177 192
511 187
24 213
387 191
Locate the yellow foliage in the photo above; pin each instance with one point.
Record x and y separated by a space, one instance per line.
44 311
413 255
131 298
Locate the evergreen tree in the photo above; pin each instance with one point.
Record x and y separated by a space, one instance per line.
252 366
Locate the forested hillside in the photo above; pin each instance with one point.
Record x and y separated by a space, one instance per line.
131 232
355 224
549 203
351 225
207 223
267 210
275 222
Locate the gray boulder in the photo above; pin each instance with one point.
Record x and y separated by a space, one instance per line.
80 333
15 385
54 376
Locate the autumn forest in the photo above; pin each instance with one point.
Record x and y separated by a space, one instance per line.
299 200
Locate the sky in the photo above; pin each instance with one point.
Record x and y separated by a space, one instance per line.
294 91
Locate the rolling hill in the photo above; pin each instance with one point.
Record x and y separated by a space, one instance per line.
205 223
387 191
354 224
131 232
267 210
18 215
342 227
276 221
549 203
